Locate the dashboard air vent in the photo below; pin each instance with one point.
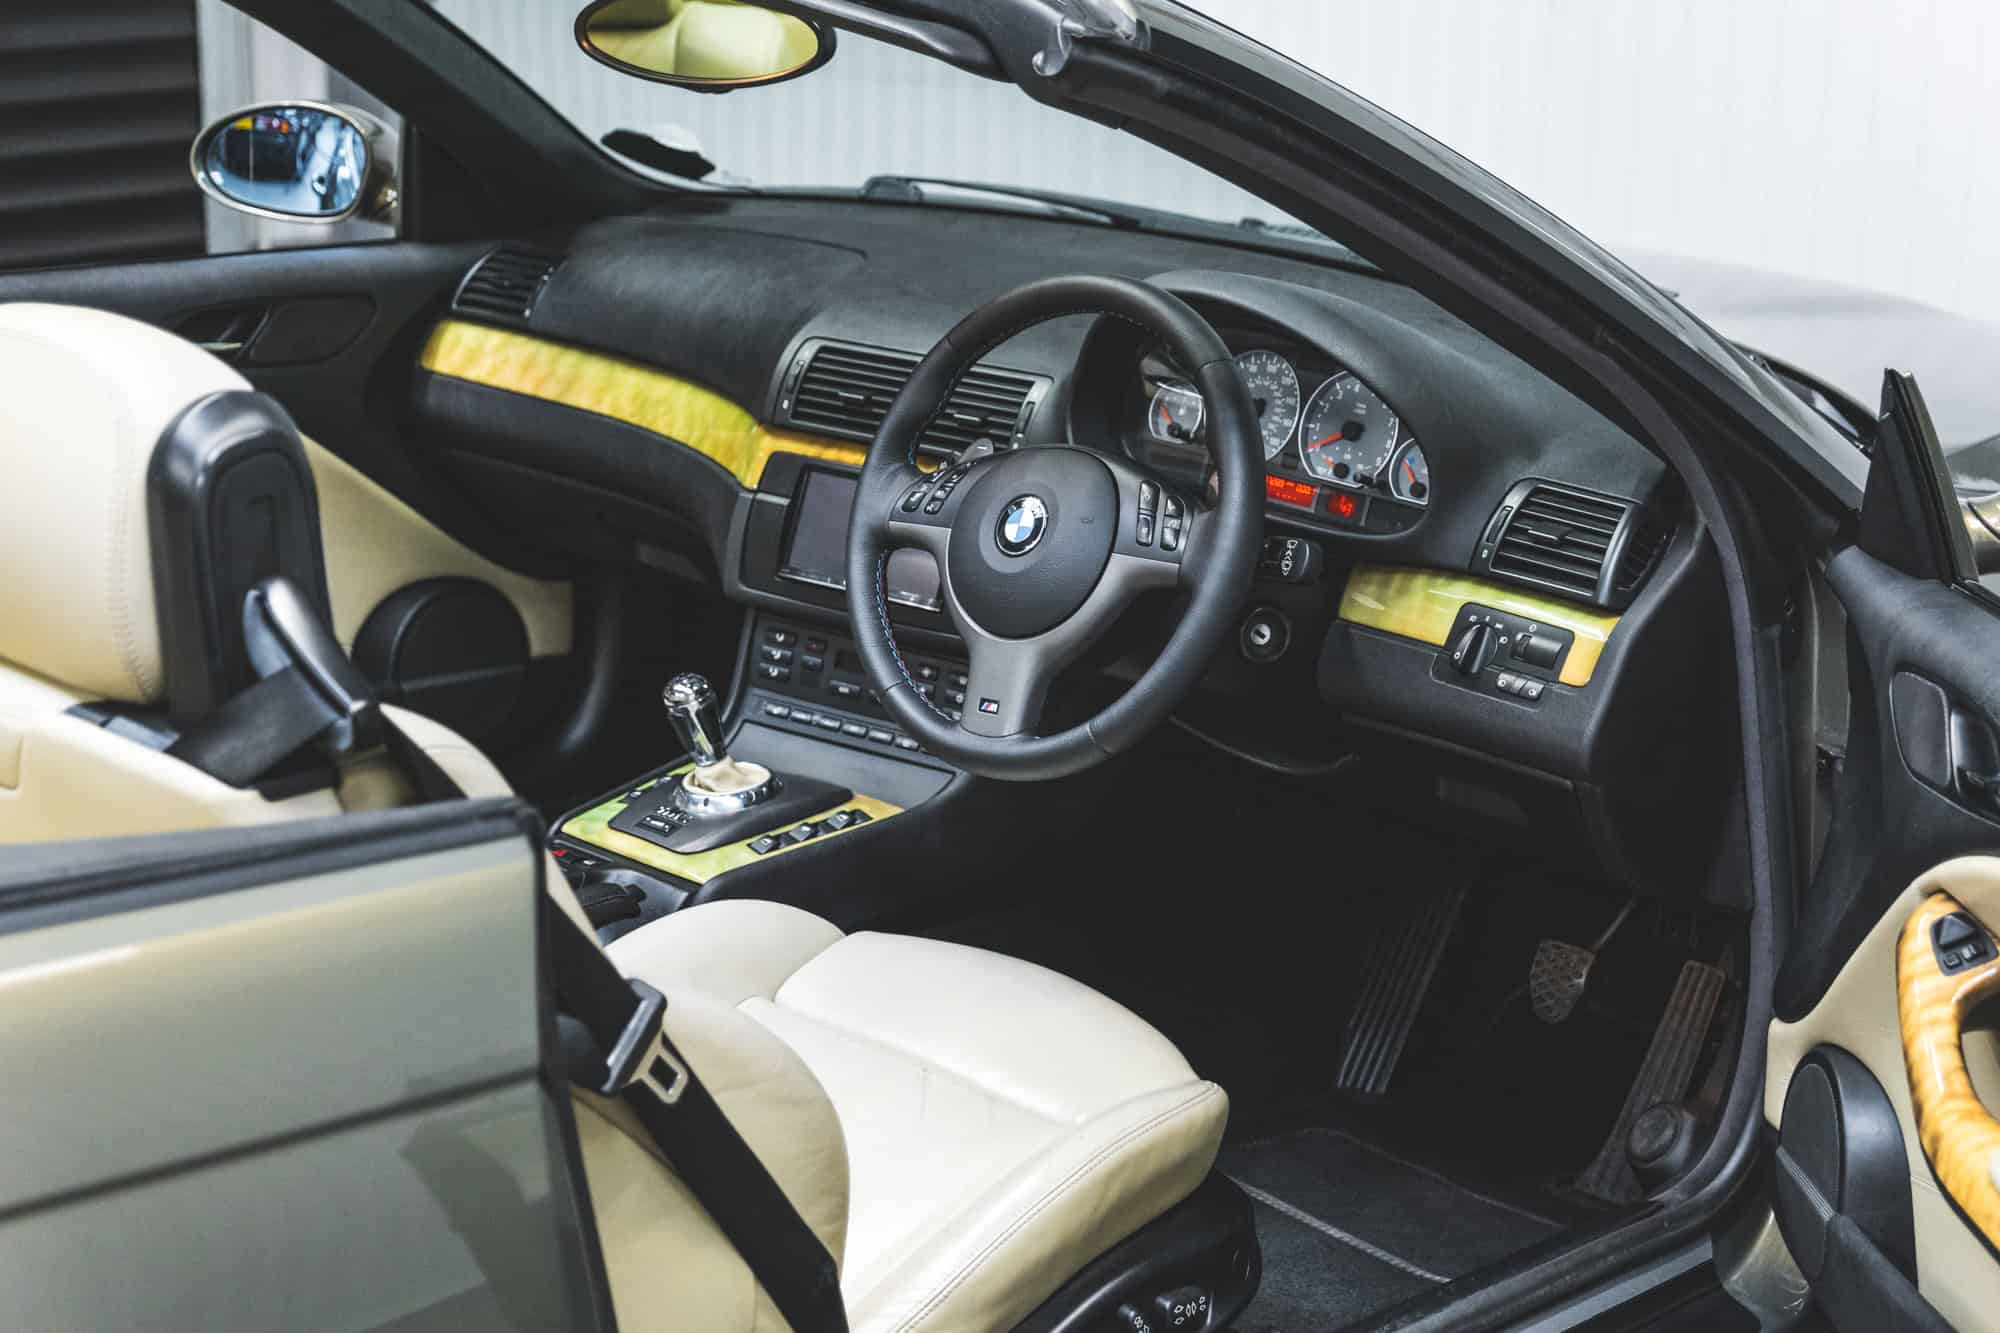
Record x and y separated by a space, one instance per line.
1597 548
1644 544
505 283
845 389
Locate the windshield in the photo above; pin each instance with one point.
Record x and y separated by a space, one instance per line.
873 111
1730 177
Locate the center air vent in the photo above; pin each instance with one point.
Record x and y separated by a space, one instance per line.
1598 548
506 283
845 389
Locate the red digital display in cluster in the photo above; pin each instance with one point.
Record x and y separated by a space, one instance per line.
1342 505
1291 492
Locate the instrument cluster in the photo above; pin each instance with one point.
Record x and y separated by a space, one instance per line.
1327 434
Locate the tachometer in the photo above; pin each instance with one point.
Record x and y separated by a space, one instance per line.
1274 390
1175 415
1410 475
1348 434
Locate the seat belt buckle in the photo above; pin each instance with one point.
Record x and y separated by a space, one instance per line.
640 1053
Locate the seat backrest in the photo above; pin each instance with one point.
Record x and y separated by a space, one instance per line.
89 395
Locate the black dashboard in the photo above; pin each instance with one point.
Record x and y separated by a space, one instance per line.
1398 441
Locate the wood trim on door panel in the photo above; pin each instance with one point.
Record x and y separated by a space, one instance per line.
623 390
1960 1137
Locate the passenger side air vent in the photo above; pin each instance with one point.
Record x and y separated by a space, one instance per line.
1598 548
506 283
845 389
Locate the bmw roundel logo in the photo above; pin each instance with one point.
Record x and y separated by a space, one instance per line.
1022 524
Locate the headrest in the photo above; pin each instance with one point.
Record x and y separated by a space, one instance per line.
85 395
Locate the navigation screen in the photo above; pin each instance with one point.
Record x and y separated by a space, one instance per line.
816 552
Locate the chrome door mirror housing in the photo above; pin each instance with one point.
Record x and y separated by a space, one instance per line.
299 161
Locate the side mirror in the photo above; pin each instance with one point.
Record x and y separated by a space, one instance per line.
299 162
1982 525
706 45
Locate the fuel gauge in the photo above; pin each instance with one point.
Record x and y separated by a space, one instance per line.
1410 474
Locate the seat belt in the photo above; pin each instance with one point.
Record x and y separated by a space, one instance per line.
638 1064
311 691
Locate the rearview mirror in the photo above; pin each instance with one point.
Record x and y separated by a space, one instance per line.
706 45
298 161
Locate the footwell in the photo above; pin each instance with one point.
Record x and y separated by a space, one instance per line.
1348 1229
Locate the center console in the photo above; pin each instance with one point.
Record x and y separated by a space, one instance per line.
805 755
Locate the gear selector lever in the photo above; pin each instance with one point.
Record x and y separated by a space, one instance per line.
720 800
692 707
717 784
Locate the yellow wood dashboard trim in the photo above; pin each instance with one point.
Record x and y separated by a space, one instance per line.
593 826
1423 604
1959 1135
623 390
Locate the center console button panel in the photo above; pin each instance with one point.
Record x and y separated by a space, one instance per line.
822 689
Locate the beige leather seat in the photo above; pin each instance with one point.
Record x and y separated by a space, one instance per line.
963 1130
996 1125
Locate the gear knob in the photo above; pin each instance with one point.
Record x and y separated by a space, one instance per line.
696 714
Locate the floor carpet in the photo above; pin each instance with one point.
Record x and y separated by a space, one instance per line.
1349 1229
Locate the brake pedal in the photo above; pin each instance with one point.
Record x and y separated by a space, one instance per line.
1663 1077
1560 971
1401 958
1556 979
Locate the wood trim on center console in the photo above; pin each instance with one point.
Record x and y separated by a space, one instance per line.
1423 604
1960 1137
593 827
626 391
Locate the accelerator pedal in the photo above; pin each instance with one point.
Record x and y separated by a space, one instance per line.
1663 1077
1400 959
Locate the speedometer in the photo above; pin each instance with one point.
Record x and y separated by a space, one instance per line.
1274 390
1349 434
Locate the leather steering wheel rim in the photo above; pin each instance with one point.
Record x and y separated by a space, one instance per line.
1041 547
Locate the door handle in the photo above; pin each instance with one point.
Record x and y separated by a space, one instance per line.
1975 762
1947 962
224 331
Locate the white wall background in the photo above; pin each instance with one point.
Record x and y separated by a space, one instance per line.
1856 140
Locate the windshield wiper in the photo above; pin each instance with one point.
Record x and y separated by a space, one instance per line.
919 190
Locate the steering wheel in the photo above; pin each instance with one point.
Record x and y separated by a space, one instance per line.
1040 548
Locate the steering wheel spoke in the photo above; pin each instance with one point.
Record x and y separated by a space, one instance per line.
1156 525
1006 685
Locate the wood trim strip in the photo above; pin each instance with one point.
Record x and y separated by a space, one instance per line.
626 391
1959 1135
593 826
1423 604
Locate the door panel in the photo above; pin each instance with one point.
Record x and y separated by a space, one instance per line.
1956 1273
287 1077
388 545
1884 1167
